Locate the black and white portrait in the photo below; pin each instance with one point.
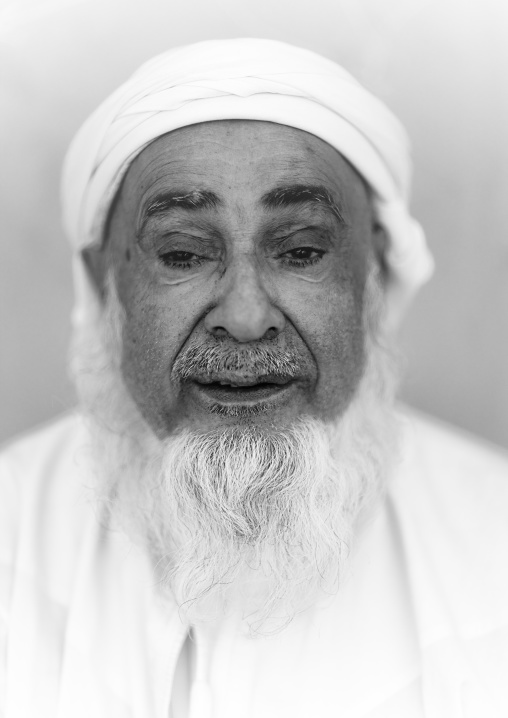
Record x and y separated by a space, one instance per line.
254 383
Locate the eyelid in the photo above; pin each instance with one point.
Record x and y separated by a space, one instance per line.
320 232
184 235
318 255
178 241
159 228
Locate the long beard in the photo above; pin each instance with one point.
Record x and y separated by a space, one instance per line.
240 519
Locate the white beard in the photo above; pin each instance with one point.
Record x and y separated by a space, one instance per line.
240 518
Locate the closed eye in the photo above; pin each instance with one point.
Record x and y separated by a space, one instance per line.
302 256
181 260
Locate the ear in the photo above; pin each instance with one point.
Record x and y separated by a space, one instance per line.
380 243
95 262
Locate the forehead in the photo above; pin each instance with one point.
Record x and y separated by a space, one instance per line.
238 157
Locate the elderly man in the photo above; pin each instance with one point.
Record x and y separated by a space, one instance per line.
238 522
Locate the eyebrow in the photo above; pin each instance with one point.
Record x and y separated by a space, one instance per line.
300 194
286 196
194 200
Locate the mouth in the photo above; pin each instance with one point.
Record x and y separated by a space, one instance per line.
242 390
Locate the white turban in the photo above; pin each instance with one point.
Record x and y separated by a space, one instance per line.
245 79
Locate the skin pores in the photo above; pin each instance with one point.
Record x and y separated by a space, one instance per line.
241 234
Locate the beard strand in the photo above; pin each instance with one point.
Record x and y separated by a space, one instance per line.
239 519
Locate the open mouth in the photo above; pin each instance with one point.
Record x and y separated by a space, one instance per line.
239 388
226 392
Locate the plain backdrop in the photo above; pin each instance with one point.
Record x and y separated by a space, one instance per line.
441 65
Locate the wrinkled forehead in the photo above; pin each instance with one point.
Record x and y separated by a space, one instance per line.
238 157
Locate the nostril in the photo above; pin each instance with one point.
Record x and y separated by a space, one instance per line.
219 331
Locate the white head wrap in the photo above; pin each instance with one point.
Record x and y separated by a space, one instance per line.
246 79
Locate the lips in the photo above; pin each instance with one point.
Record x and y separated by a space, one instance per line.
236 389
233 379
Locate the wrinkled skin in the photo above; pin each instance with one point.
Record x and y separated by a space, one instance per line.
240 272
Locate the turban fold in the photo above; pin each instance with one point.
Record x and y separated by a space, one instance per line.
245 79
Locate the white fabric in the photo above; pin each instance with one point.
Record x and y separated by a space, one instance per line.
419 631
244 79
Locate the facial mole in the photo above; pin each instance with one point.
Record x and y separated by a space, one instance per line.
128 255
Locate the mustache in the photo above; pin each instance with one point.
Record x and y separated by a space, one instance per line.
204 361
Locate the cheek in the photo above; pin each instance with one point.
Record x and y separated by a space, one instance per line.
155 328
329 320
343 357
146 348
341 353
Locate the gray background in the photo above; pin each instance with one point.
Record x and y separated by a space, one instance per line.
441 65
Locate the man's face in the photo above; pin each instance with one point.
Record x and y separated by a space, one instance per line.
238 235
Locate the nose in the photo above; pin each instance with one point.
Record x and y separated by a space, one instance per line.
244 310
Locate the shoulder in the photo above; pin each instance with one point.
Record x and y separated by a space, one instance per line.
42 443
453 465
454 447
38 461
43 504
450 500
